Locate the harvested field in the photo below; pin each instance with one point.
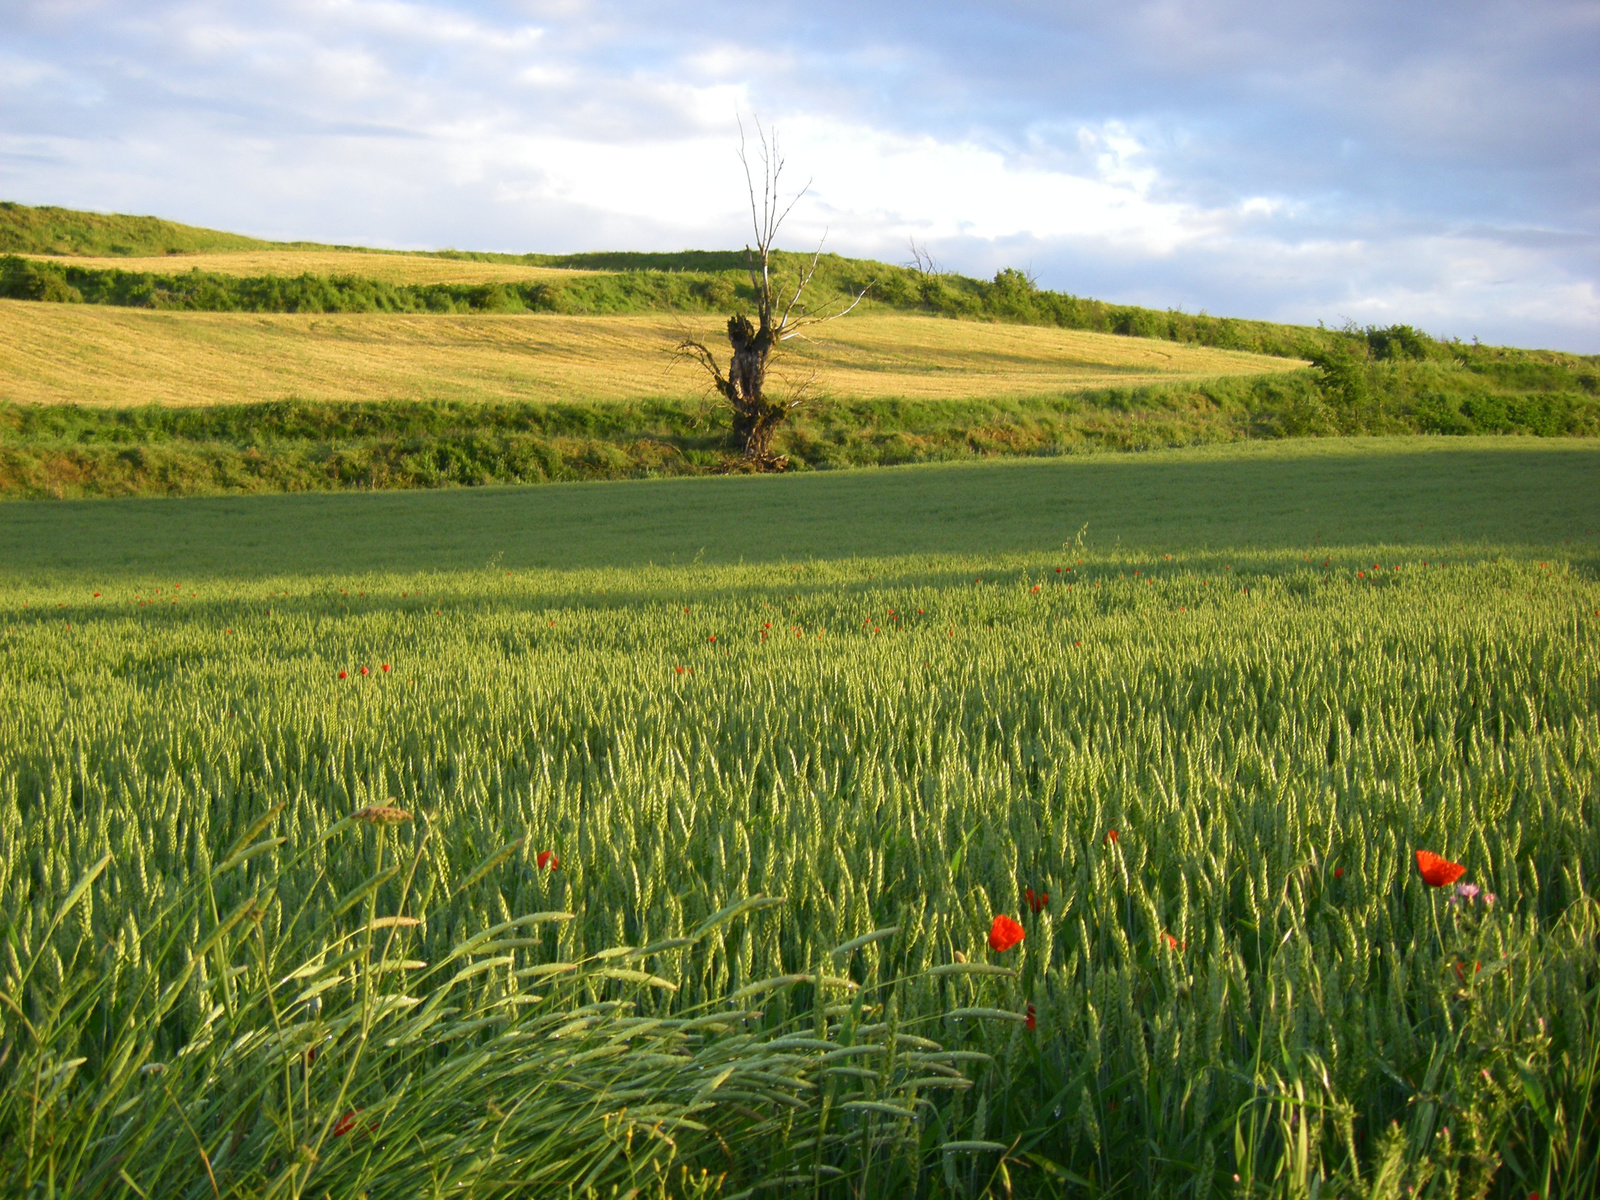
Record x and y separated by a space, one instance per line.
63 353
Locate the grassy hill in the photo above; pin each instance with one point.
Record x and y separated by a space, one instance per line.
50 230
449 368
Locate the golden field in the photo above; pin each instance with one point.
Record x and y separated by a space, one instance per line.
397 269
104 356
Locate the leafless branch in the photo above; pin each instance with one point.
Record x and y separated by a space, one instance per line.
696 351
801 392
793 330
922 260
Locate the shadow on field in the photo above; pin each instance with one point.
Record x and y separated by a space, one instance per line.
1259 495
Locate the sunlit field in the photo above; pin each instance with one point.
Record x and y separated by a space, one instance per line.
102 355
394 268
337 869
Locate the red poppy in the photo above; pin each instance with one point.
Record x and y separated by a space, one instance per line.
386 667
713 637
1036 900
97 595
1436 871
1004 934
364 671
679 670
1033 1023
342 674
1338 872
548 860
1036 587
1112 835
766 624
346 1123
1462 975
1172 942
1058 570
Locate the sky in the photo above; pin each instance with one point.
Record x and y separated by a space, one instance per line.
1429 163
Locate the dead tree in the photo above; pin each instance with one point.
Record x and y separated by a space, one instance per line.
780 314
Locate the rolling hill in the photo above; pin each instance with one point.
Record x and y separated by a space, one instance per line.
138 355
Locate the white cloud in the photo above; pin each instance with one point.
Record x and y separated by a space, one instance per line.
1169 154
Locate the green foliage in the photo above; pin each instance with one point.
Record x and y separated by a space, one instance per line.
200 291
202 977
1396 380
1345 382
1400 342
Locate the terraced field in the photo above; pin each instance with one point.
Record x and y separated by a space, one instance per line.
397 268
104 356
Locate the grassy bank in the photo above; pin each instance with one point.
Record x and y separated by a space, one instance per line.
1275 673
47 229
294 446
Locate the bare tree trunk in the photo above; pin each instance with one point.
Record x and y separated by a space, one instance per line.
756 419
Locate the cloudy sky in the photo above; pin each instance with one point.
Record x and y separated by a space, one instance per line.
1429 162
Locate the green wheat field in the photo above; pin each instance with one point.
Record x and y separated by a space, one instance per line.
645 839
